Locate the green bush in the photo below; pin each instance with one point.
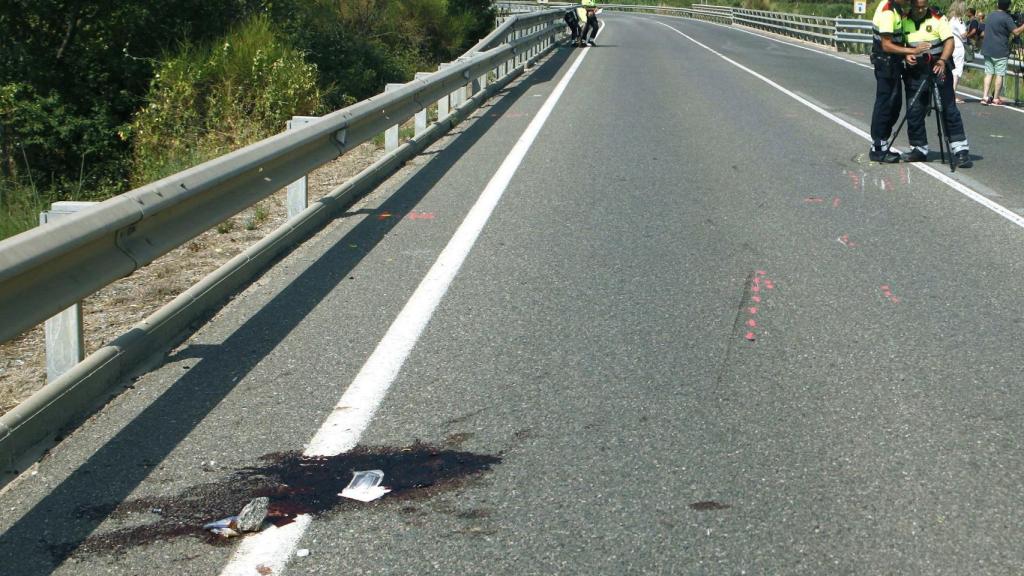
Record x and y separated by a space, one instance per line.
208 100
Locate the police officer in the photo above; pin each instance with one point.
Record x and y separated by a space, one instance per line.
887 52
581 18
925 25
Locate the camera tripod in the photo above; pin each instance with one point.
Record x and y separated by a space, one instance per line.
930 85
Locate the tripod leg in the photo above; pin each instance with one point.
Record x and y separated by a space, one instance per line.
940 120
943 126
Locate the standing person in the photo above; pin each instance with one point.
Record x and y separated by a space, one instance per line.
887 54
592 23
973 34
928 26
573 22
995 47
959 49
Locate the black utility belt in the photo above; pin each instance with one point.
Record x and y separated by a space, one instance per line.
885 58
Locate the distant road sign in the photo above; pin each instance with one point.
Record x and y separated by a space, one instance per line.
860 7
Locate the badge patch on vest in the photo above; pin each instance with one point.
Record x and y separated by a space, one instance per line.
928 28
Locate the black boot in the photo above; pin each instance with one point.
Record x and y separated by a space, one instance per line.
886 156
962 159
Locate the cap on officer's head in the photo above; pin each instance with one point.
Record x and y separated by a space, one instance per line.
1004 4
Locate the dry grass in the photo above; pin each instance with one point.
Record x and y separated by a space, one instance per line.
116 308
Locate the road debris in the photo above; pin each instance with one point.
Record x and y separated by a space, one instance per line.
365 486
302 552
248 520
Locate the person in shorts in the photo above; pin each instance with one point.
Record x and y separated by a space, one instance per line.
995 47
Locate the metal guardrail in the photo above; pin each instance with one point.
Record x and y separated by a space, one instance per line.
812 28
44 270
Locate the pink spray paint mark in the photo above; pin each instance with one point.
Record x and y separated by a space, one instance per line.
752 310
752 323
813 200
835 202
750 336
755 288
755 298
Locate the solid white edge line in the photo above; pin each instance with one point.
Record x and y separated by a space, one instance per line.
956 185
816 51
340 432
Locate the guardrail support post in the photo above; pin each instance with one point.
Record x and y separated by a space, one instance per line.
443 108
391 134
65 338
298 195
421 116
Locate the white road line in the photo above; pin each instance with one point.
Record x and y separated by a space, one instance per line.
273 547
956 185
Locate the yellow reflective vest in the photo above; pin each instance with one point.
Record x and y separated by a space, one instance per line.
888 20
934 28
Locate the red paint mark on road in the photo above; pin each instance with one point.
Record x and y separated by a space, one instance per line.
845 241
813 200
835 202
887 292
420 216
758 280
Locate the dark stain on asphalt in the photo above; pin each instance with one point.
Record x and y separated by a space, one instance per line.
295 484
707 505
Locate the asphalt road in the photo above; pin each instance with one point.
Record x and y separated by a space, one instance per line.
700 334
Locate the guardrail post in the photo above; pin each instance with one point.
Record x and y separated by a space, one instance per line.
421 116
443 108
298 195
65 338
459 96
391 134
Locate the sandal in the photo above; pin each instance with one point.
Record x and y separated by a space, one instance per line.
961 101
997 101
986 101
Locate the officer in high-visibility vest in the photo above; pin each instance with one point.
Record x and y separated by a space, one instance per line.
887 52
927 25
581 16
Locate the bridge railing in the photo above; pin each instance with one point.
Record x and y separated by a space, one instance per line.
47 269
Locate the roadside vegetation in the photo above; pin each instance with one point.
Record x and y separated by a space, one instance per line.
100 97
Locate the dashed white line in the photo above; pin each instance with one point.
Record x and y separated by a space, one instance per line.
956 185
272 548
